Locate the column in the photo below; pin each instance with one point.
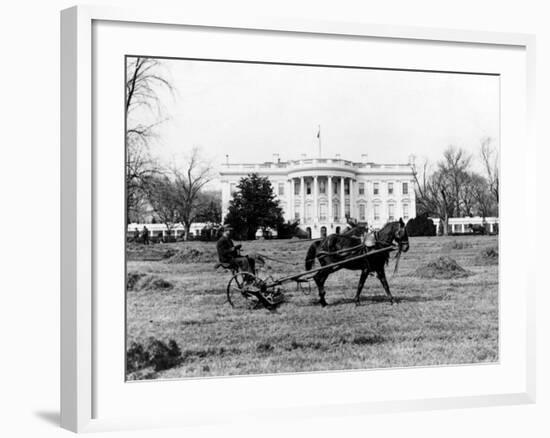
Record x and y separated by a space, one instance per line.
303 188
342 200
290 199
315 199
352 199
329 191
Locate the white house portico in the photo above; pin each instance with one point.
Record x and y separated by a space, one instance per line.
322 192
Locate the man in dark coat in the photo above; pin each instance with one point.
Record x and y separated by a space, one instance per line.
231 254
145 235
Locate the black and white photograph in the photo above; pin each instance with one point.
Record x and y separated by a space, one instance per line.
290 218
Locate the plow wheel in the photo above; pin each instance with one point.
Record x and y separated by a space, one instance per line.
247 291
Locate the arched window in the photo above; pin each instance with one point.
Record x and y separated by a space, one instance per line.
391 212
405 212
323 207
376 212
362 212
309 211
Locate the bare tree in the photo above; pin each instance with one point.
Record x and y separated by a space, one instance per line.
479 188
189 182
162 195
454 168
490 158
433 196
144 79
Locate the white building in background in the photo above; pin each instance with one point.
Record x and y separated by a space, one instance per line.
321 192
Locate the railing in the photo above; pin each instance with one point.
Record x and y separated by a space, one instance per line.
312 162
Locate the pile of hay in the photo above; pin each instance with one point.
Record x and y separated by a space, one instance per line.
140 281
489 256
193 255
442 268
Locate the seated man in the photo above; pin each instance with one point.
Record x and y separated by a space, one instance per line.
230 253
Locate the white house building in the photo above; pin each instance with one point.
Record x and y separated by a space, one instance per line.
321 192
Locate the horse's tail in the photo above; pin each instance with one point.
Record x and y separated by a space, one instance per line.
311 254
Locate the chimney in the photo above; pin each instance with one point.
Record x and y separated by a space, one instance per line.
337 156
412 159
226 159
364 158
276 158
304 156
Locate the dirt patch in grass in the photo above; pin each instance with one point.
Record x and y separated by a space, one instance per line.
193 255
489 256
457 244
368 340
132 279
148 253
155 355
442 268
139 281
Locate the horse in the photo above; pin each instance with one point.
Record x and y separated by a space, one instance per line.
338 247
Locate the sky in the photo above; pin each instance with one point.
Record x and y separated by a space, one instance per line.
251 111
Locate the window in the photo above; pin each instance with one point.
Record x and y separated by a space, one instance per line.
346 188
375 188
334 187
336 210
405 188
323 212
361 188
297 215
362 212
308 212
281 189
322 187
391 212
347 210
296 188
390 188
233 188
308 188
376 212
405 211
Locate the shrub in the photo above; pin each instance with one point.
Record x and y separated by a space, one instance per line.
287 230
421 226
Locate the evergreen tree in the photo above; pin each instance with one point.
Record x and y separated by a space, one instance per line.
254 207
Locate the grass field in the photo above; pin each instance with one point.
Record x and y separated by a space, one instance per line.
436 321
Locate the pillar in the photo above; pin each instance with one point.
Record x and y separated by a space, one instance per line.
303 191
342 200
352 199
315 199
329 191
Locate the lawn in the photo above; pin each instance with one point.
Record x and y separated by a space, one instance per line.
177 295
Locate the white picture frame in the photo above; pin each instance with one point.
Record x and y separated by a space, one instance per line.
81 374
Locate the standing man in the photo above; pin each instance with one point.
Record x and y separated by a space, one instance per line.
231 254
145 234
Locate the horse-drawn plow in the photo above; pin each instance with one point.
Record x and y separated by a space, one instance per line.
248 290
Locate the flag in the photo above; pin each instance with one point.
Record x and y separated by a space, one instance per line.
319 133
